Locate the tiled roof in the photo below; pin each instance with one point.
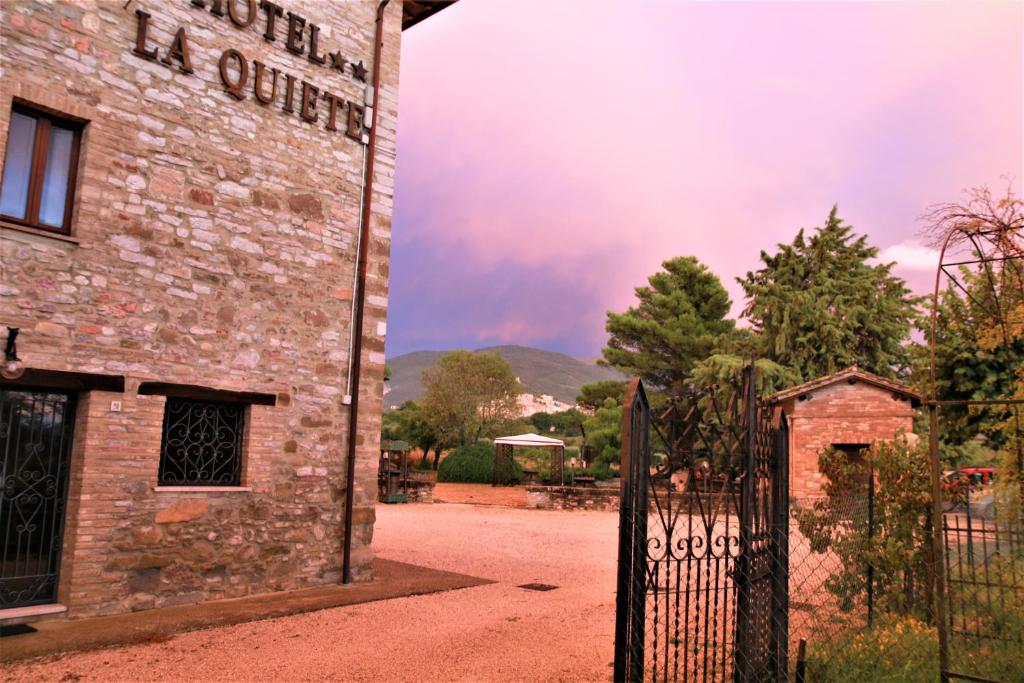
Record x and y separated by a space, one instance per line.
854 374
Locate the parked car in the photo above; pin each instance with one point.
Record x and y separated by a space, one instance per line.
980 476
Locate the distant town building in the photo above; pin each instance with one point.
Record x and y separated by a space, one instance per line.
848 410
540 403
183 190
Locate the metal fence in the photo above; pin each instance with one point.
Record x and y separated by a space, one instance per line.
854 614
984 562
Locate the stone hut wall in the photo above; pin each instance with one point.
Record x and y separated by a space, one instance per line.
839 413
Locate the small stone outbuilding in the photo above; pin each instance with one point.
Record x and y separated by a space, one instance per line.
848 410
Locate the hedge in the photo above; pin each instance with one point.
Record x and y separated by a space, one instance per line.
472 464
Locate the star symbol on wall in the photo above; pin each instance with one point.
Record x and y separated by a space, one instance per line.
337 61
359 71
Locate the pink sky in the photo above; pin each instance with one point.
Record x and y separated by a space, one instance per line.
552 154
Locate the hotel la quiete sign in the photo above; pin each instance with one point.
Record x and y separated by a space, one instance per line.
269 86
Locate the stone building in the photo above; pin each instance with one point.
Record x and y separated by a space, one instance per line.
183 191
848 410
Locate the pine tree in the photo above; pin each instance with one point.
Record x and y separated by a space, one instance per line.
678 322
820 305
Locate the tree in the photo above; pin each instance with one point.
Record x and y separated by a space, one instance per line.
819 305
468 395
896 540
969 367
566 422
979 331
409 423
592 396
679 321
604 435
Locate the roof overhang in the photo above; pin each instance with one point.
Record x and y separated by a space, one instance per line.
415 11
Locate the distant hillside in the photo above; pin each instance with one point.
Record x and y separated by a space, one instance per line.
541 372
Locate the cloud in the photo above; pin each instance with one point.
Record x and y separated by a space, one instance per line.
910 256
543 173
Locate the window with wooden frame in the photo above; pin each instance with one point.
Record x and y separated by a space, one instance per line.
40 165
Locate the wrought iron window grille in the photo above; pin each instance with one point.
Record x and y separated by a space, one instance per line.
201 443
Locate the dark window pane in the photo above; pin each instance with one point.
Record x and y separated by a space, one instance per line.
17 165
55 184
202 443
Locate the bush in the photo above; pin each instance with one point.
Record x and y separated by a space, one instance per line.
472 464
600 471
904 650
897 548
900 649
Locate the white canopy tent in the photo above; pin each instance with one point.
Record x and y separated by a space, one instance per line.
529 440
503 455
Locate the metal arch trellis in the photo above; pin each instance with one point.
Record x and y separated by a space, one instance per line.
993 234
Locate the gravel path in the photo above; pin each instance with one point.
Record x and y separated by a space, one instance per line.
496 632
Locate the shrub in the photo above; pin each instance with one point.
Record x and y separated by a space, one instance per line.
904 649
897 548
894 650
600 470
472 464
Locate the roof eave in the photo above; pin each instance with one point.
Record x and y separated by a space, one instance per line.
857 375
415 11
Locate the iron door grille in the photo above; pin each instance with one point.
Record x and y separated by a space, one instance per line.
202 443
36 429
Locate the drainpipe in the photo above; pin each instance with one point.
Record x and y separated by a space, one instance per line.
359 296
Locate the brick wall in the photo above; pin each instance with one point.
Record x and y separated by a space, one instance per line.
840 413
213 244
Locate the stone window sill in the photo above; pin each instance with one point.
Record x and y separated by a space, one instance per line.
202 489
60 237
21 615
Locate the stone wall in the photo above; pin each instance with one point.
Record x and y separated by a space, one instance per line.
607 499
572 498
840 413
419 491
213 244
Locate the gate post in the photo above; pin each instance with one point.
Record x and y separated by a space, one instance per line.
631 584
780 565
743 579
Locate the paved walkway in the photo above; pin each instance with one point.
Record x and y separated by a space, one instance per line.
495 632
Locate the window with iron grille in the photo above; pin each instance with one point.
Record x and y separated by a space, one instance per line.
40 166
202 443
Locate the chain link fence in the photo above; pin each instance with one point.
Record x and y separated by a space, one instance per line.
862 603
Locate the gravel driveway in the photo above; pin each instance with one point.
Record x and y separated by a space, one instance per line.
496 632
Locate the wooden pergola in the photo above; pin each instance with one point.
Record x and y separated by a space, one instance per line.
504 447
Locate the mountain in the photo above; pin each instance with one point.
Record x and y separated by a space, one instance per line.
539 371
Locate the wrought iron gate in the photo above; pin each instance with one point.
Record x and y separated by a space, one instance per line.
703 538
35 441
